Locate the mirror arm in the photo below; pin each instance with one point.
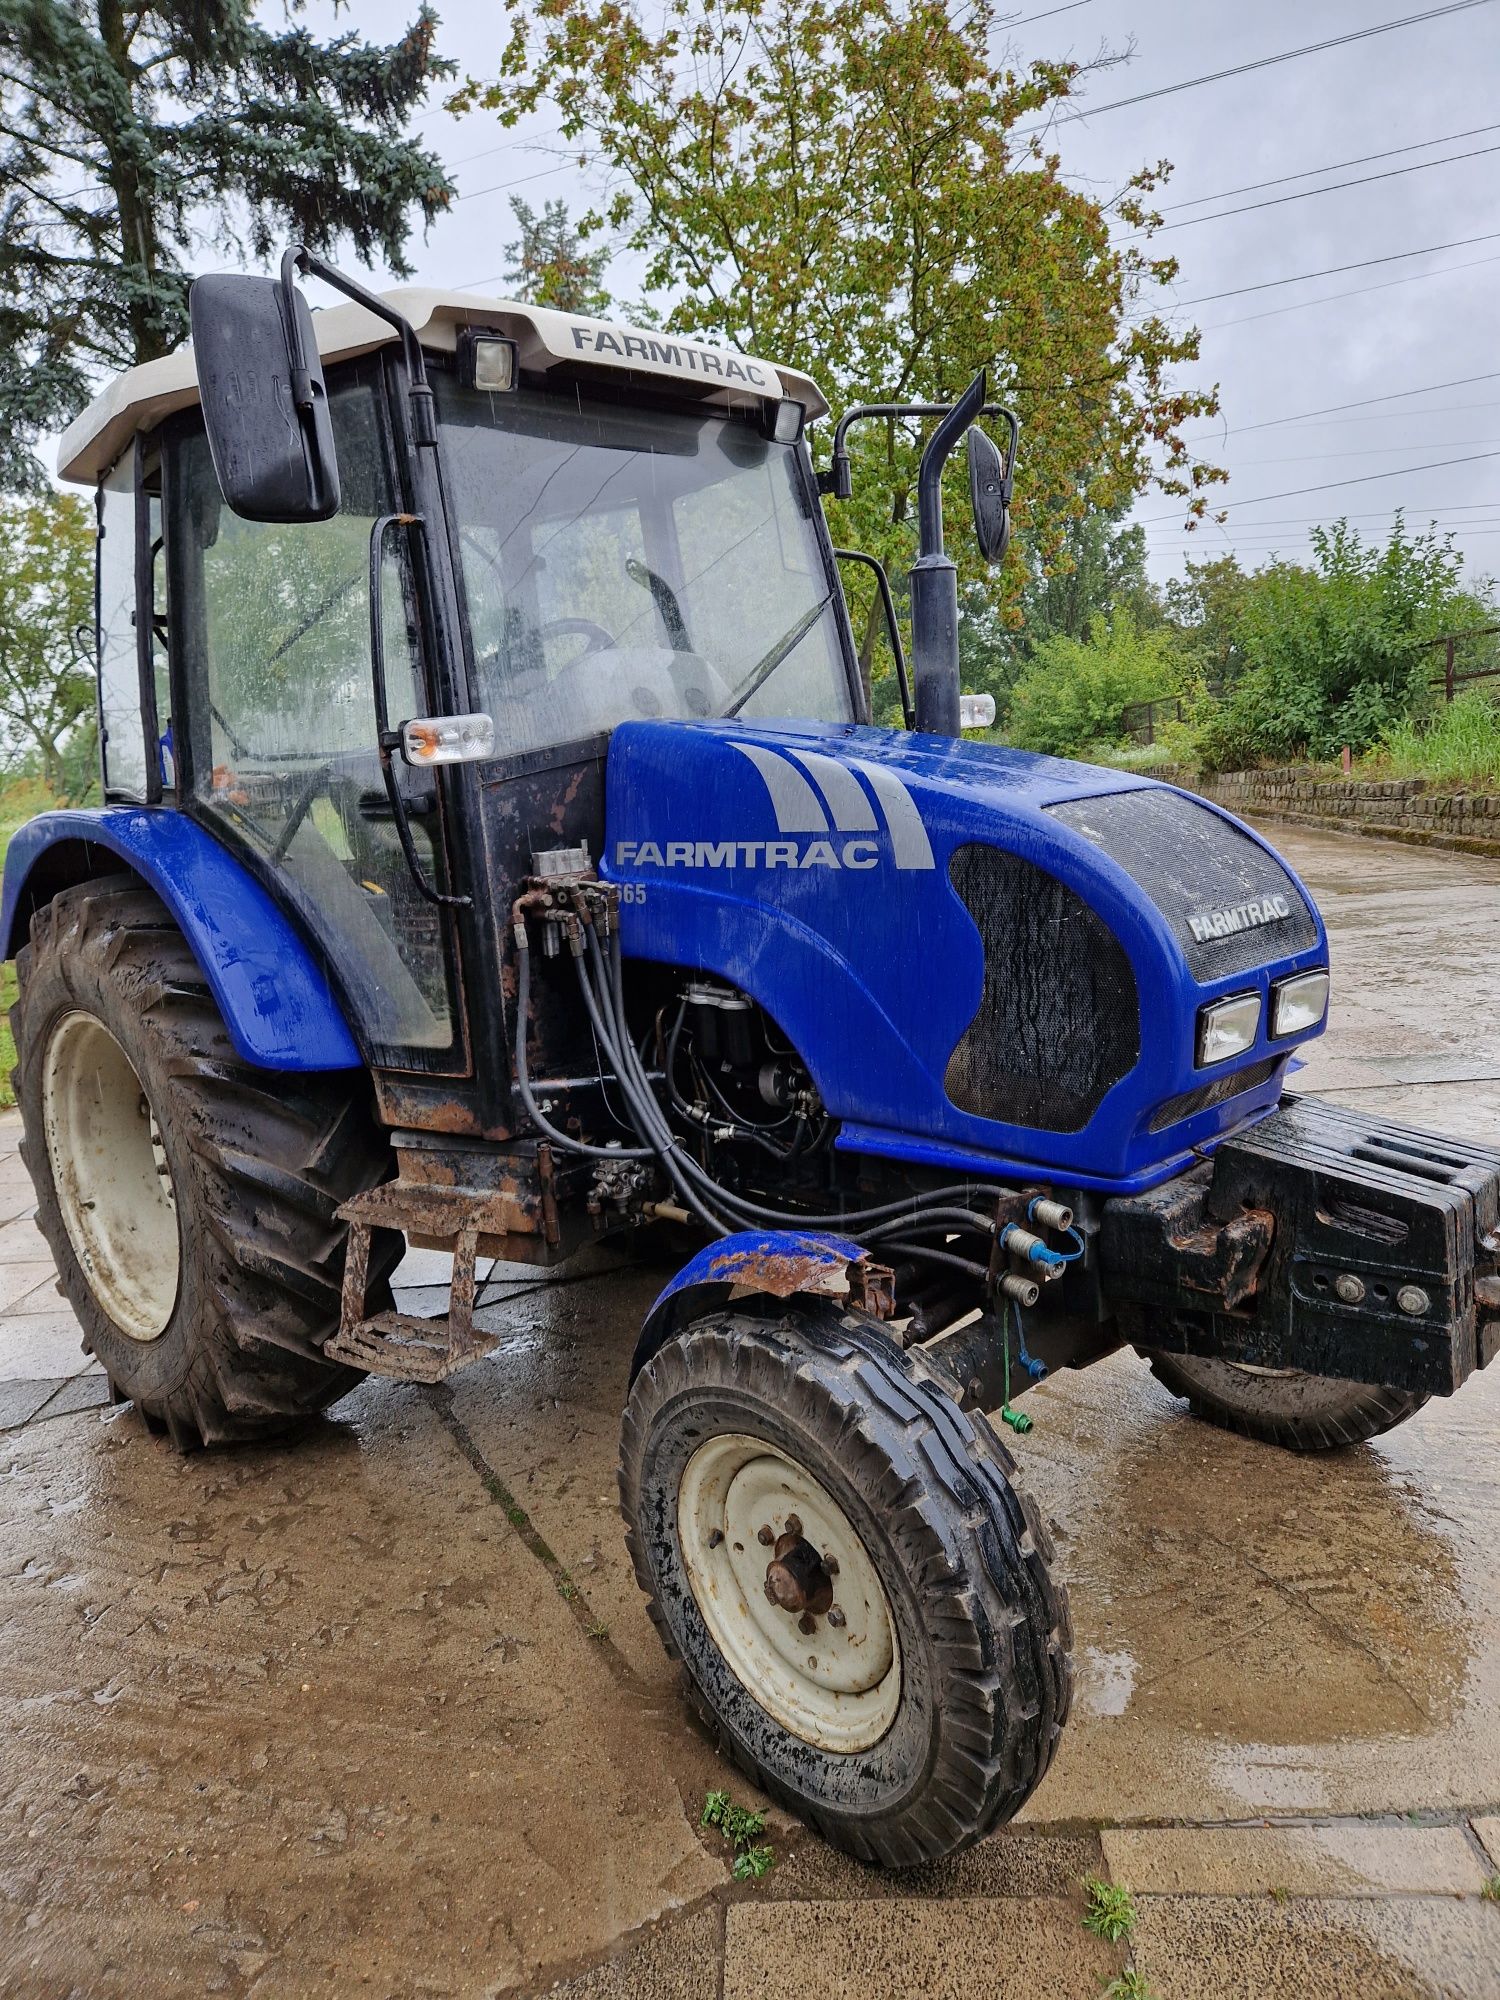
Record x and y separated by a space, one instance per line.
838 481
299 258
389 739
883 585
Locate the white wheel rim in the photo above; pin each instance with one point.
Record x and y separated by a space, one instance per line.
839 1685
110 1174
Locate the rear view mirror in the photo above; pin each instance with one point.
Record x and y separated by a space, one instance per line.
265 405
987 492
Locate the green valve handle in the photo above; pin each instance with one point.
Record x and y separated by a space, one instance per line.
1019 1422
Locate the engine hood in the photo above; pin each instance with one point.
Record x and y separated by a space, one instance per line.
984 957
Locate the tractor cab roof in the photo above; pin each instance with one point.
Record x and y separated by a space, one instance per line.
142 397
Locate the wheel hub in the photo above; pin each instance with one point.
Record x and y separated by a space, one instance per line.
809 1631
110 1175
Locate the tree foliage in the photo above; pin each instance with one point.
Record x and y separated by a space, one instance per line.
855 188
549 263
132 136
1334 653
1072 695
46 682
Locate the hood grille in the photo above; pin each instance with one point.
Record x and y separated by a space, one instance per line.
1217 888
1058 1021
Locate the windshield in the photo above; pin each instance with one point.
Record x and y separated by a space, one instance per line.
623 564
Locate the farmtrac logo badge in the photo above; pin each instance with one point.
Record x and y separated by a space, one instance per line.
824 814
1206 924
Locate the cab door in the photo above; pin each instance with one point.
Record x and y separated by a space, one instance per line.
271 631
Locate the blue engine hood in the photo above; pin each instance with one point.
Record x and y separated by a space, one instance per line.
808 864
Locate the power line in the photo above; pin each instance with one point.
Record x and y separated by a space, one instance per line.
1354 292
1363 402
1261 62
1358 451
1305 194
504 187
1027 19
1328 485
1332 167
1335 270
1468 509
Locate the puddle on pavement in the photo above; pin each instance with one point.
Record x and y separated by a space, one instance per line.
1258 1630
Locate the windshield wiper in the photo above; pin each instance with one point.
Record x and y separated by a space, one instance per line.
666 602
767 664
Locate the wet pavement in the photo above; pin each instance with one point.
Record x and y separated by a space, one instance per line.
380 1712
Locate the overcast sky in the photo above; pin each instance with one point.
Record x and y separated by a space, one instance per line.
1360 334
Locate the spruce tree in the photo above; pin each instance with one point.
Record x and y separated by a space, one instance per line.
141 142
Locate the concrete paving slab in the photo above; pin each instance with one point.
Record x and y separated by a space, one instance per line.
1014 1949
21 1242
676 1960
22 1277
20 1401
1343 1860
40 1343
88 1391
1401 1948
320 1708
1010 1862
1488 1829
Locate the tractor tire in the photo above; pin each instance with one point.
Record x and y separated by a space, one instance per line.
1285 1407
188 1198
928 1709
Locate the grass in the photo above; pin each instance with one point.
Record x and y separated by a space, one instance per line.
1109 1911
1491 1889
1128 1985
20 800
1459 745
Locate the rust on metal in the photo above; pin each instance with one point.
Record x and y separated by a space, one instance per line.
865 1285
1225 1260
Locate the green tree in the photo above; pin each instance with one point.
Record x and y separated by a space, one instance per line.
549 264
1334 653
46 594
132 135
856 188
1099 568
1072 694
1206 608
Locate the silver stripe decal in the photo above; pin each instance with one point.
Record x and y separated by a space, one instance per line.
845 796
908 835
795 801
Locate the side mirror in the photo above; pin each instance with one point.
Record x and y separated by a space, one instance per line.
987 492
265 405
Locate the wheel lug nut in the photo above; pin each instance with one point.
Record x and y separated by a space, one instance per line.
793 1524
831 1564
771 1597
765 1534
836 1618
807 1624
716 1536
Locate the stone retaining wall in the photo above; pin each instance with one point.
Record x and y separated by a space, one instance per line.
1396 809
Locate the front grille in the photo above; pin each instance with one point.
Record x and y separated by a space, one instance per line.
1058 1020
1193 864
1219 1090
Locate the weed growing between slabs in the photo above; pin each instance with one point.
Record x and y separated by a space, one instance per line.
752 1857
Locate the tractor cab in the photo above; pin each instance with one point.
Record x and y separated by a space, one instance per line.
595 526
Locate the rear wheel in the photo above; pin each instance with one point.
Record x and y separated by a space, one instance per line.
1283 1405
188 1198
860 1596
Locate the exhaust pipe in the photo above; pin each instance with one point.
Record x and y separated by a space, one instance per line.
934 578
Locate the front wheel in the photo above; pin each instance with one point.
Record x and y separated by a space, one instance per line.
859 1594
1283 1405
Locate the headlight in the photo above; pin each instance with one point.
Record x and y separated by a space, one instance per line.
1228 1028
1298 1004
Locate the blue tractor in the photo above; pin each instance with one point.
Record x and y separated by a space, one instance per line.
498 855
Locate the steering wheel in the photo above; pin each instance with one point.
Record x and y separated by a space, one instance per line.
599 640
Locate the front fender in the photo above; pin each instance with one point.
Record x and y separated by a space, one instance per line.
271 990
770 1263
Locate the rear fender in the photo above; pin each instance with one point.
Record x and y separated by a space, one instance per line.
770 1266
270 986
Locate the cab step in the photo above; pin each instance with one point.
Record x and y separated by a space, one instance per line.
398 1345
